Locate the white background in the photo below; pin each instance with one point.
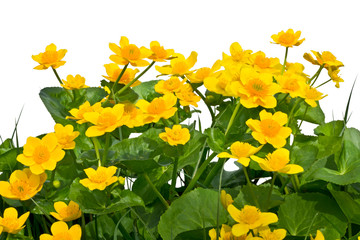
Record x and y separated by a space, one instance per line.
85 28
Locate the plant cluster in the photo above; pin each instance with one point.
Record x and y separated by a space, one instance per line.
131 159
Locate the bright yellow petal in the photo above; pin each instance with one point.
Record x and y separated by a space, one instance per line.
59 227
239 229
293 169
75 232
10 213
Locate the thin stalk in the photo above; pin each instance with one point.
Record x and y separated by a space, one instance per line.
294 184
199 173
123 231
57 76
292 111
233 117
173 179
218 203
135 79
117 81
45 226
201 154
283 68
297 182
250 187
271 189
311 224
349 230
324 83
213 172
42 210
96 146
158 194
286 95
316 75
96 227
106 148
83 223
207 105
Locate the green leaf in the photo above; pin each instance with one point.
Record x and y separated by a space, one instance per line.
261 193
333 128
105 228
192 150
101 202
310 114
8 160
59 101
146 90
192 211
303 214
348 205
304 151
216 139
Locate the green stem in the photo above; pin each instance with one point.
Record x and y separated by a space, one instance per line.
349 230
52 178
316 75
123 231
297 182
292 111
42 210
270 191
96 227
250 187
83 223
135 79
283 68
294 183
207 105
57 76
218 203
158 194
324 83
199 173
286 95
213 172
96 146
106 148
233 117
117 81
201 155
173 179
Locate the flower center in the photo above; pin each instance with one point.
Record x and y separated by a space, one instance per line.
269 127
180 68
312 93
202 73
10 224
157 106
249 214
107 119
131 52
256 87
172 84
292 85
277 163
286 38
175 135
159 52
98 177
41 154
20 189
49 57
262 62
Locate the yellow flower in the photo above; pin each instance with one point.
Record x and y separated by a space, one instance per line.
176 135
187 96
100 178
292 83
107 120
41 154
121 180
319 236
311 95
249 218
267 234
162 107
61 231
171 85
11 223
23 185
225 234
200 74
50 58
219 83
132 117
78 114
113 71
238 56
255 89
225 199
334 75
263 64
240 151
270 128
179 66
288 38
66 135
72 82
65 212
325 58
159 54
278 162
129 53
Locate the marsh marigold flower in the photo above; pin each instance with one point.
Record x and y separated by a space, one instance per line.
200 74
78 113
334 75
263 64
41 154
129 53
66 212
240 151
65 135
270 128
255 89
288 38
220 83
132 117
225 199
179 66
161 107
11 223
267 234
22 185
319 236
113 71
237 57
100 178
187 96
172 85
107 120
225 234
311 95
72 82
176 135
292 83
50 58
159 54
60 230
325 58
278 162
248 218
